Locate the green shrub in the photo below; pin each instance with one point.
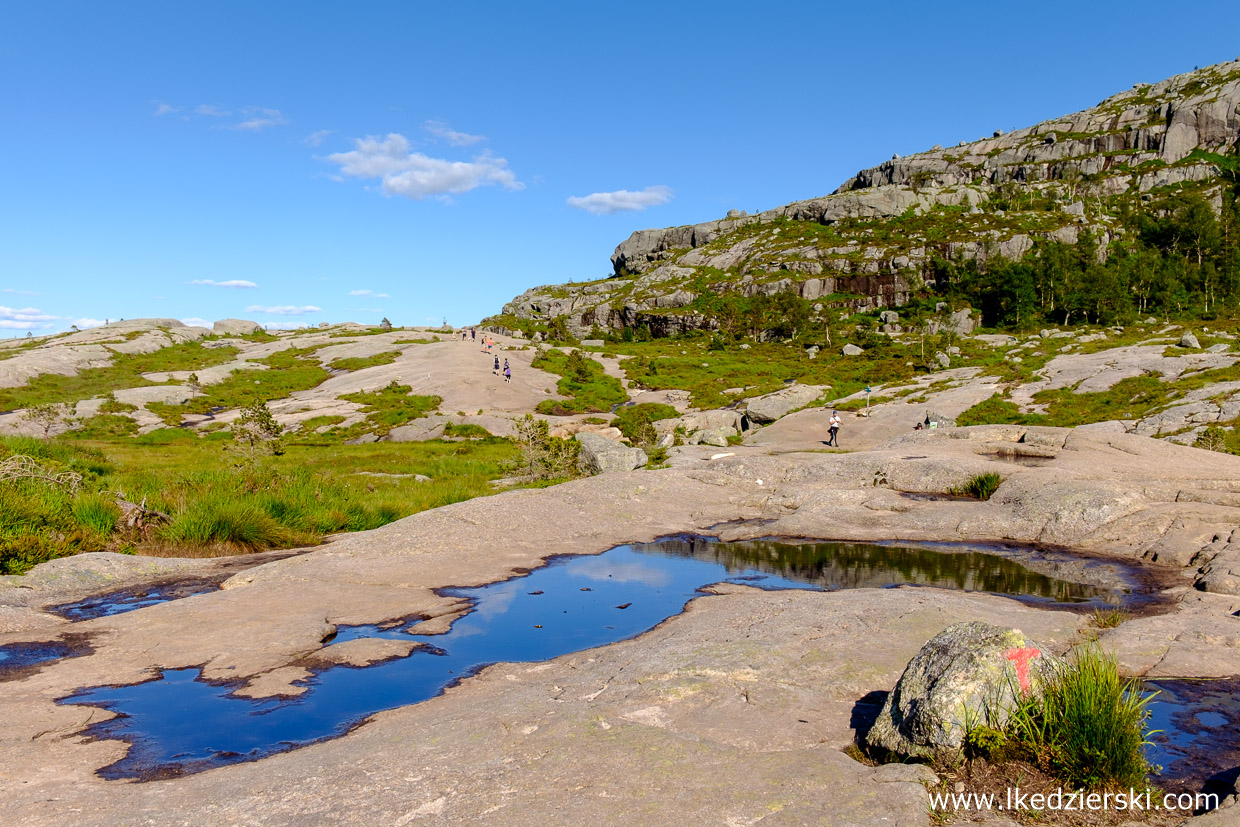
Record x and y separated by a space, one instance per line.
465 431
636 422
1088 727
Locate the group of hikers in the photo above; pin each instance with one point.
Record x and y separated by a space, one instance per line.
488 345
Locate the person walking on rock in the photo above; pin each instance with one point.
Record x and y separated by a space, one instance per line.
495 369
834 429
507 373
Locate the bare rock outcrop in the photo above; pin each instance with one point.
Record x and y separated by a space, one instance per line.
235 327
772 406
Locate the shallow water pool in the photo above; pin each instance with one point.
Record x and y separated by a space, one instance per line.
179 723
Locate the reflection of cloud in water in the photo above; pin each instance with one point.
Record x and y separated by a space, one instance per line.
496 602
596 568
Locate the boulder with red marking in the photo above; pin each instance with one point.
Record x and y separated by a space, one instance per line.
968 675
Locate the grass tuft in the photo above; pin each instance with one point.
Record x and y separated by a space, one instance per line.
1088 727
980 487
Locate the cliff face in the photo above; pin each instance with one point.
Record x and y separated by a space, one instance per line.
871 242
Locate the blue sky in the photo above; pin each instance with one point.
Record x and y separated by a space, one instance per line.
302 162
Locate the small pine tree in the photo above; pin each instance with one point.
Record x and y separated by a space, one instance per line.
542 456
257 431
195 387
47 416
385 324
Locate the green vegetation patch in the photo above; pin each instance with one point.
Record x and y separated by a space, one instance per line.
980 486
589 388
360 362
706 367
636 422
392 406
465 430
125 372
218 504
1088 727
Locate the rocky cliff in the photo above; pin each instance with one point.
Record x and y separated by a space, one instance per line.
873 242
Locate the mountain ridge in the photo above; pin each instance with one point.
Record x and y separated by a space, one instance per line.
1058 180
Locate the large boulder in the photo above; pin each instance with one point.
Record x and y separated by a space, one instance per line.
780 403
970 674
599 455
732 421
712 436
237 327
962 322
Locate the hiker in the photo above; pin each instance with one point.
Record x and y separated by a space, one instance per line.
473 334
507 373
834 430
495 369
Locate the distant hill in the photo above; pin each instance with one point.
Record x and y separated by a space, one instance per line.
1128 177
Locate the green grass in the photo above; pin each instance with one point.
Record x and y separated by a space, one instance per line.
980 486
689 363
220 506
992 411
125 372
1132 398
588 388
291 370
392 406
360 362
1088 727
309 426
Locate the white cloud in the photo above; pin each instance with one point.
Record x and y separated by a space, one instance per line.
22 318
441 130
417 176
20 292
165 108
284 310
211 111
259 118
316 138
606 203
194 321
235 283
370 293
83 324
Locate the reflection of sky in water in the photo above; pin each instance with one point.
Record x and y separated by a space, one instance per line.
1193 724
568 605
633 571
